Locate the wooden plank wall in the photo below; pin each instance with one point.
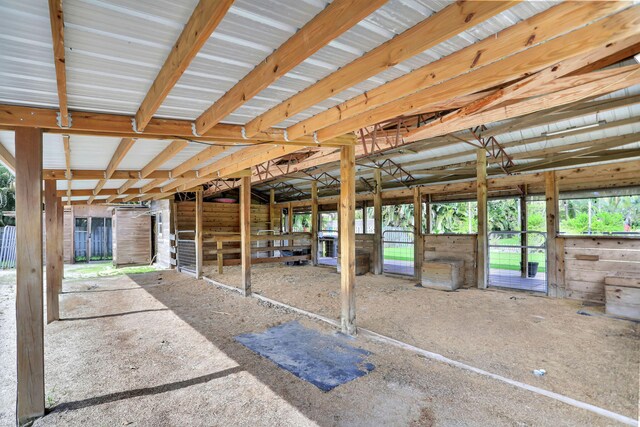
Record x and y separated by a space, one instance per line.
364 242
220 218
131 237
462 247
588 260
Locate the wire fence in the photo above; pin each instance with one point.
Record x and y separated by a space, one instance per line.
186 250
518 260
398 252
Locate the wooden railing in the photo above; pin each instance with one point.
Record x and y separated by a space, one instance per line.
296 245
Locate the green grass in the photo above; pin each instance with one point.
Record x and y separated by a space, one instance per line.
499 260
103 269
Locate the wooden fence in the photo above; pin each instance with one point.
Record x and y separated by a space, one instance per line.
273 248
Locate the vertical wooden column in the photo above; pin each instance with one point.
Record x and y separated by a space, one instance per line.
314 222
524 253
428 216
553 224
53 258
481 171
198 237
289 218
347 232
245 233
29 313
60 249
418 254
272 209
378 254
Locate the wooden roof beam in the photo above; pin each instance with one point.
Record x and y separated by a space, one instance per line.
628 77
56 17
121 151
607 34
523 36
203 21
115 125
335 19
435 29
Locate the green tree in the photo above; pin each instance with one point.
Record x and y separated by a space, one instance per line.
7 195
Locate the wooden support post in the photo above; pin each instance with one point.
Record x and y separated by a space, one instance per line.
347 232
60 251
53 257
314 222
29 313
272 217
428 216
524 252
418 254
482 267
290 218
378 255
198 237
220 257
245 233
553 224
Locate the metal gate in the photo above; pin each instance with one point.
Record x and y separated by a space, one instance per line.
398 252
186 251
327 247
518 260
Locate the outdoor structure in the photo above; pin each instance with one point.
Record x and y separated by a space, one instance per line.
316 108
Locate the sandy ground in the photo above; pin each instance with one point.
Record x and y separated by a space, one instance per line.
157 349
590 358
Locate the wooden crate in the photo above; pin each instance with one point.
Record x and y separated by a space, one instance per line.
622 295
363 263
443 274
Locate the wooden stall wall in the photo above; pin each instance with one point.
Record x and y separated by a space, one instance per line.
220 218
457 247
589 260
364 243
164 209
131 236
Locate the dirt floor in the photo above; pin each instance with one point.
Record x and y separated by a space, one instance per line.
590 358
157 349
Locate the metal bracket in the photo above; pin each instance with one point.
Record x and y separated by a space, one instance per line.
59 120
134 125
194 130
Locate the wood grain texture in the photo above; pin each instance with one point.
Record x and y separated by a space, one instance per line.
336 18
203 21
56 18
245 233
553 226
347 232
29 300
53 257
314 222
481 183
199 231
378 255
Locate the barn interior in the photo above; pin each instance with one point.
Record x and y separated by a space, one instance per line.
405 172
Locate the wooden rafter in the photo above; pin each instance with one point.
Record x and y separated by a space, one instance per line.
197 159
57 34
605 36
435 29
628 76
121 151
165 155
519 38
203 21
7 158
335 19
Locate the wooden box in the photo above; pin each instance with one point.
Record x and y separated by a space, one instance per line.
622 295
443 274
363 263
